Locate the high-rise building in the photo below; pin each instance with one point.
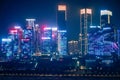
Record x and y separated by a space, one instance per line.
62 42
16 33
118 42
54 39
26 43
46 40
73 47
26 48
85 23
93 35
30 23
49 39
35 34
105 18
62 29
6 49
62 17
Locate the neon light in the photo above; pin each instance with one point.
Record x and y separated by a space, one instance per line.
13 31
30 19
82 11
62 31
95 27
47 28
46 38
54 29
106 28
106 12
62 7
53 35
17 27
89 11
36 25
6 40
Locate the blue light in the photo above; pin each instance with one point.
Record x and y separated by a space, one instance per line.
62 31
6 40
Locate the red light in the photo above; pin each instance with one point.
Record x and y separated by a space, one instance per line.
13 31
43 27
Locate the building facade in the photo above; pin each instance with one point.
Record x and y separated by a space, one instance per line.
105 18
85 22
73 47
62 29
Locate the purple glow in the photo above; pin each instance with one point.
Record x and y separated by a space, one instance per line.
115 46
46 38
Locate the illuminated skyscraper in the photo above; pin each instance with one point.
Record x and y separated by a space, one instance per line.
73 47
27 43
54 39
105 18
30 23
62 42
16 33
85 23
35 34
62 29
48 39
61 17
6 48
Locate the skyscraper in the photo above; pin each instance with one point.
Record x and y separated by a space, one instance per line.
105 18
30 23
73 47
62 29
62 42
62 17
85 22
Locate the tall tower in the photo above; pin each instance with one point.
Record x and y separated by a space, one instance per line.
32 30
85 22
105 18
62 29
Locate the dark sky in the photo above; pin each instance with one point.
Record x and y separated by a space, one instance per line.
14 12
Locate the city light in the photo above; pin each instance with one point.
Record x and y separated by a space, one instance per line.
17 27
6 40
30 19
107 28
45 38
25 39
47 28
82 11
36 25
95 26
44 47
13 31
106 12
62 7
54 29
89 11
62 31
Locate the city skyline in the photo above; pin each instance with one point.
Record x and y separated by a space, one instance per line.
59 38
13 13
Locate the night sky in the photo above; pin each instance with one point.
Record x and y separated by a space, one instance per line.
14 12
